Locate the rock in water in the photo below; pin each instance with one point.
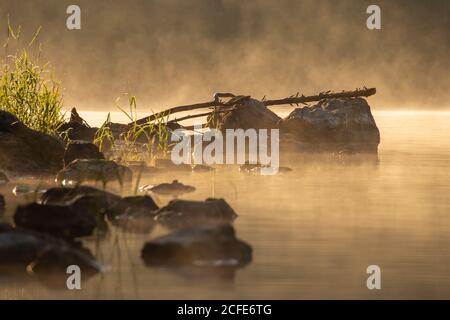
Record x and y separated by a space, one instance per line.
183 213
41 252
175 188
25 151
59 221
199 246
94 170
65 195
248 114
142 204
99 203
332 125
81 150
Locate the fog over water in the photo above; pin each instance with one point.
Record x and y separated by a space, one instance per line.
169 52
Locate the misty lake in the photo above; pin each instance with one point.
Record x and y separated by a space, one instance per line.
314 231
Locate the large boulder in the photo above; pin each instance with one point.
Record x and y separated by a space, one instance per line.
78 149
332 125
199 246
184 213
248 113
57 220
25 151
94 170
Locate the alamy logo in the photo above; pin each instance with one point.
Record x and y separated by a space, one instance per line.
374 280
73 22
374 20
228 149
74 280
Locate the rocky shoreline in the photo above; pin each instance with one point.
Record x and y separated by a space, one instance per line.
47 233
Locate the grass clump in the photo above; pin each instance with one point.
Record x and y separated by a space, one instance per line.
138 142
25 93
28 89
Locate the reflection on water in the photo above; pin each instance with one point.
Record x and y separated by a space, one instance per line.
314 231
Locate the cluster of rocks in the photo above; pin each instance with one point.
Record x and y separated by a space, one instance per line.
201 230
331 125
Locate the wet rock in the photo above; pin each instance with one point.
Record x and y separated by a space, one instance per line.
77 128
136 220
2 204
332 125
3 178
202 168
183 213
248 114
57 220
94 170
97 202
81 150
201 246
65 195
42 253
25 151
142 204
175 188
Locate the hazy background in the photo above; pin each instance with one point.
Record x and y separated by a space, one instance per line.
170 52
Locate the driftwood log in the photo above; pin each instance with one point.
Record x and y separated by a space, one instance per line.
221 106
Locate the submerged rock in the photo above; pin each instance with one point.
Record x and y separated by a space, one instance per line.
94 170
57 220
25 151
332 125
81 150
42 253
183 213
3 178
200 246
175 188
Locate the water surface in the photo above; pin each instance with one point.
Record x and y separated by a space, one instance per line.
314 231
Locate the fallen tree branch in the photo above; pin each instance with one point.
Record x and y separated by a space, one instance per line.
292 100
296 100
